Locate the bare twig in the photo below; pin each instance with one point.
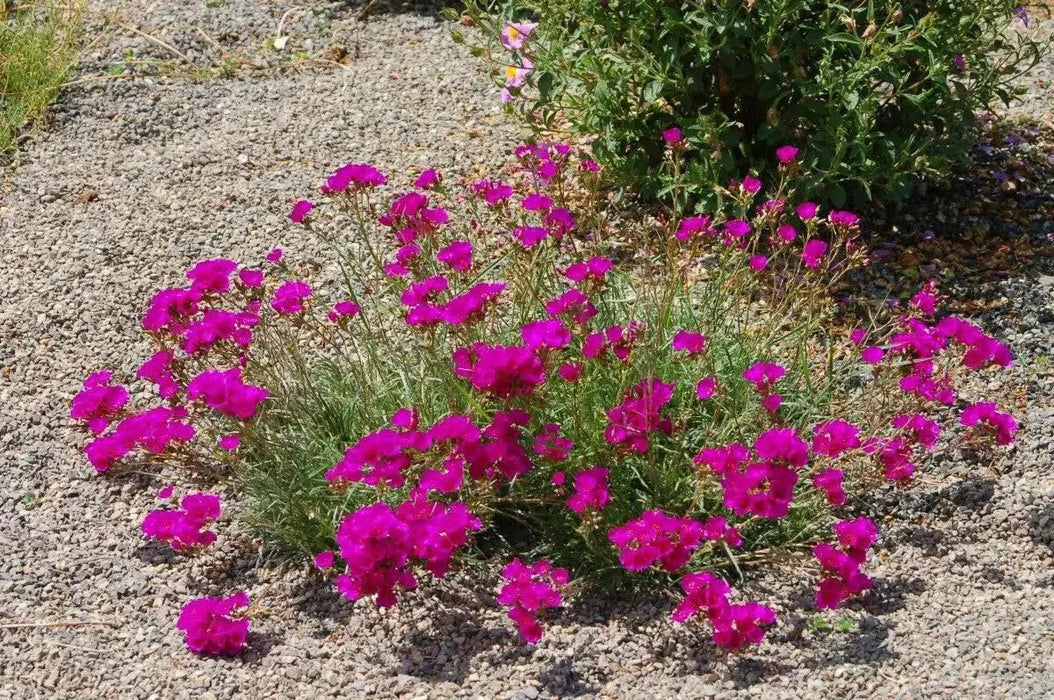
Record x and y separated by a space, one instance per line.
154 39
72 646
57 623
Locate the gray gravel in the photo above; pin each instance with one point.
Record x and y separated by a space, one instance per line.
142 174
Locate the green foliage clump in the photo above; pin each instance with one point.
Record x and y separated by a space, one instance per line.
37 52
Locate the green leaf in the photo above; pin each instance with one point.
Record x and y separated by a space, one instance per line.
652 90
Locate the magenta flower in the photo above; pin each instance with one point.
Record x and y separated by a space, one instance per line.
592 269
184 528
690 342
812 253
529 590
672 136
529 236
920 428
829 481
343 310
786 154
764 375
212 275
376 546
656 538
693 226
835 437
354 176
457 254
842 576
225 392
618 340
215 626
640 415
985 414
723 460
706 388
751 185
743 623
570 371
551 445
763 489
782 446
717 529
98 403
787 233
166 492
844 219
289 297
428 179
925 300
251 278
301 210
872 354
758 262
493 193
324 560
591 491
806 210
500 370
275 256
737 228
537 202
547 334
574 303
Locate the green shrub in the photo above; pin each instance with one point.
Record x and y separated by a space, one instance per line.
877 94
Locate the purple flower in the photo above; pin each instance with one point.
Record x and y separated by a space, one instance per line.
672 136
301 209
786 154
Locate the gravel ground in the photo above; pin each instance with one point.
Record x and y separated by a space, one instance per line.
170 159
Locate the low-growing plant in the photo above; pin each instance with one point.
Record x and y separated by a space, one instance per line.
37 51
879 94
514 368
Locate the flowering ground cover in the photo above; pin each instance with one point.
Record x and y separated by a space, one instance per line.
504 376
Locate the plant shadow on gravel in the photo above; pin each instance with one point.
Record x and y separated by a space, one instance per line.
563 680
1041 528
992 220
427 8
446 652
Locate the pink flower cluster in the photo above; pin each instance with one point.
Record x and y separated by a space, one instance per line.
656 538
735 624
841 564
590 491
500 370
184 528
215 626
640 416
224 391
763 486
529 590
764 375
155 430
379 543
387 456
98 402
